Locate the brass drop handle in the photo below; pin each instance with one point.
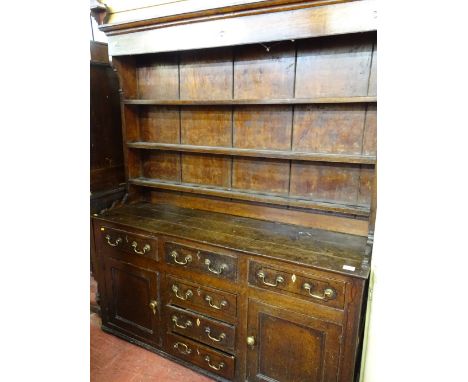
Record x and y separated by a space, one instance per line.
114 244
221 337
175 320
208 360
221 305
251 340
222 268
186 260
153 305
188 293
278 280
185 349
145 248
328 293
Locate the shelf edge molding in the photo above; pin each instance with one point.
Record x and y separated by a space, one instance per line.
274 154
253 197
285 101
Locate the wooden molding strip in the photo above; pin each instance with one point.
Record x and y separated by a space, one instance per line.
276 154
253 197
285 101
313 21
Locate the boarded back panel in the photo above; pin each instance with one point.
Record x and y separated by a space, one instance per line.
333 67
207 126
158 76
265 127
206 74
161 165
159 124
325 181
259 73
370 132
334 129
213 170
266 175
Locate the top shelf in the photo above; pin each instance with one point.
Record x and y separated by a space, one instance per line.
285 101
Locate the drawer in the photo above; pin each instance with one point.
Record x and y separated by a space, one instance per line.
212 301
135 244
324 291
209 263
202 356
201 328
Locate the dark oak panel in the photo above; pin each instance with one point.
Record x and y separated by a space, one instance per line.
290 346
161 165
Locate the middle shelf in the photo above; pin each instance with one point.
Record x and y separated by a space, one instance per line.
276 154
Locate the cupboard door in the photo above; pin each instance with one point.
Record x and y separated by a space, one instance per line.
133 299
285 346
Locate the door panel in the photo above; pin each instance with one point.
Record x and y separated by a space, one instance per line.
291 347
132 293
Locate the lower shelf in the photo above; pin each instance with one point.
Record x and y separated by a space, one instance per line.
253 197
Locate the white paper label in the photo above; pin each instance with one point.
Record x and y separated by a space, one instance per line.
349 268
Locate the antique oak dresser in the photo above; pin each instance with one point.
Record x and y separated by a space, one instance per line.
243 248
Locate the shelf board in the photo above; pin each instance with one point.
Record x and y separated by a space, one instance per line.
285 101
253 197
276 154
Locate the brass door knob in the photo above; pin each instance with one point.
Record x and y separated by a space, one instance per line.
153 305
251 340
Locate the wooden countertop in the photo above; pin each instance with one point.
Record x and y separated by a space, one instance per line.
321 249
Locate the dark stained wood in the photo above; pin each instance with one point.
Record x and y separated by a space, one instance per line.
250 155
250 210
131 290
198 326
300 245
290 346
161 165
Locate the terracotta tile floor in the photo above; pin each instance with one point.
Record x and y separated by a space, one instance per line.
115 360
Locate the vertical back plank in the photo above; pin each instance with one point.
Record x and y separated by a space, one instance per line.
206 74
265 127
161 165
333 67
213 170
159 124
158 76
262 74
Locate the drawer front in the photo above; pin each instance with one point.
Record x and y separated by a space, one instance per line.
324 291
202 356
209 263
201 328
215 302
135 244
